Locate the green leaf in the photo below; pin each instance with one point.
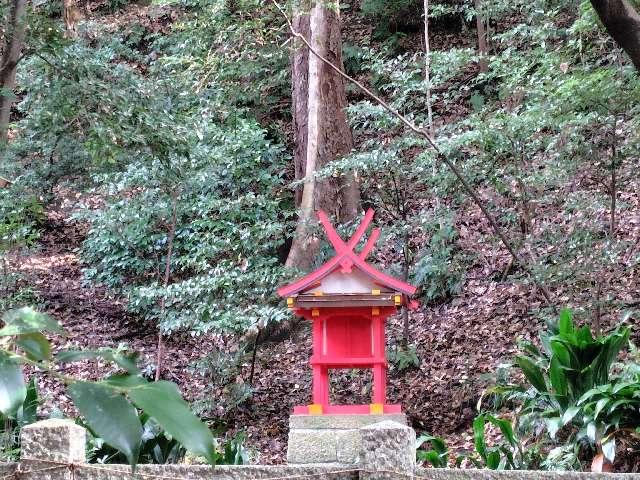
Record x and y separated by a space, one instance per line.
505 427
110 415
565 323
12 388
162 401
599 406
28 414
125 381
35 345
622 385
27 320
584 335
437 443
561 353
609 449
591 431
618 403
569 414
478 436
557 377
493 459
590 393
532 372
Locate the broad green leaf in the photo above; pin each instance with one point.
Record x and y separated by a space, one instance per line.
125 381
532 372
591 431
602 403
13 391
437 443
28 413
619 386
584 336
618 403
493 459
609 449
590 393
35 345
561 353
569 414
557 377
478 435
565 323
27 320
505 427
163 401
110 415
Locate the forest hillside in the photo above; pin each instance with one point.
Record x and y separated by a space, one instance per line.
162 161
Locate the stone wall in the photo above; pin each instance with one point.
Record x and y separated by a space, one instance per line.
54 450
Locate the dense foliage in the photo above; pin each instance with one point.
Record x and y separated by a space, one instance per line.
167 127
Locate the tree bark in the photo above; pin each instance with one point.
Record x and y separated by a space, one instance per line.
622 22
320 128
14 41
427 67
70 14
482 37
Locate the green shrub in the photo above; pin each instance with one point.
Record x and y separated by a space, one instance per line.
230 221
571 361
21 216
509 452
439 269
109 406
158 447
403 358
573 388
11 425
437 456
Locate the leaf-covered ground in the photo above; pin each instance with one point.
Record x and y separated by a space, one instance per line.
459 342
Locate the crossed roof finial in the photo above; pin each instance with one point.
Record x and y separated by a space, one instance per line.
343 248
346 258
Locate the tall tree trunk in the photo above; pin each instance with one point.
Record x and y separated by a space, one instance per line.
427 67
320 127
482 37
70 14
14 41
622 22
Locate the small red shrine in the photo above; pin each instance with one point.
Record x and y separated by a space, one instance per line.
348 302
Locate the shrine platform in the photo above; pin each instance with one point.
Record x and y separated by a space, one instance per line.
332 438
367 409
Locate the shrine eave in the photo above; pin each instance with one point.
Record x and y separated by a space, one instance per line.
383 299
316 276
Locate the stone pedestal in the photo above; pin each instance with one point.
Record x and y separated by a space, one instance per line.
387 451
51 449
333 438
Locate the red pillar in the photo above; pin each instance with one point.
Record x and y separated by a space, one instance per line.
379 369
320 372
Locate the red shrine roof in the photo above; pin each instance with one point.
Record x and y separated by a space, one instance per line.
346 260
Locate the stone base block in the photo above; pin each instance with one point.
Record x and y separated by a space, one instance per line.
388 451
330 438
